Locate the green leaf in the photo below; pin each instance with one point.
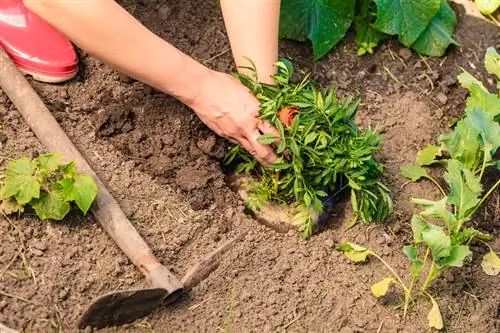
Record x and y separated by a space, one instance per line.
418 225
466 234
408 19
355 252
413 172
84 192
487 7
323 22
457 255
438 209
49 162
479 97
492 58
69 170
64 188
51 205
463 144
434 317
20 181
436 38
491 263
411 252
427 155
267 139
380 288
438 242
464 192
367 37
488 129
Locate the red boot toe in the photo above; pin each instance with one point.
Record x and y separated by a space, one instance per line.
36 47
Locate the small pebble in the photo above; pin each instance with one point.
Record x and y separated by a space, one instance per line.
37 252
441 98
329 243
405 53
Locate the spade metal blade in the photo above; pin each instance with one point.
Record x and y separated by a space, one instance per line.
121 307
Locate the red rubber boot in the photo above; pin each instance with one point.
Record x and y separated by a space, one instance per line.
37 48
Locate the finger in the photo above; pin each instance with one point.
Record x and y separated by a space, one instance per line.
264 153
266 128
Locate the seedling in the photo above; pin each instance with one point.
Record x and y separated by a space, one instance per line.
47 185
321 152
440 231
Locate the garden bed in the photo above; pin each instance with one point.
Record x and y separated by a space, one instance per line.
164 167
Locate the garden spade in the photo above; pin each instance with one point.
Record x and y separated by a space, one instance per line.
118 307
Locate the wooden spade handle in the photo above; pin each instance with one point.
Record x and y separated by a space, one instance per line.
105 208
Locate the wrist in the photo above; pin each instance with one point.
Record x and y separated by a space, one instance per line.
187 81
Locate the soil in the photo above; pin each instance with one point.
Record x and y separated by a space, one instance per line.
164 167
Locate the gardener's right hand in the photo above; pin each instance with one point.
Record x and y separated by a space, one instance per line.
230 110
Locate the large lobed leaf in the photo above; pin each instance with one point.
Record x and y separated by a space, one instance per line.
323 22
21 182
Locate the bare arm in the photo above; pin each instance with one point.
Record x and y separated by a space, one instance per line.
108 32
252 27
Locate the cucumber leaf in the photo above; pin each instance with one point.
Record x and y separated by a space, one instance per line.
408 19
323 22
438 35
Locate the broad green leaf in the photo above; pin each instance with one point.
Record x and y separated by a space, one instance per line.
267 139
438 35
438 209
491 263
487 7
64 188
323 22
427 155
355 252
84 192
411 252
20 181
413 172
492 58
438 242
418 225
380 288
49 162
488 128
463 144
434 317
463 191
458 253
408 19
51 206
69 170
479 96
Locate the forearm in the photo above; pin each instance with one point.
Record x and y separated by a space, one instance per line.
252 27
106 31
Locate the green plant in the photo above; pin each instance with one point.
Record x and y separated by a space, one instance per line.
47 185
440 231
425 26
321 151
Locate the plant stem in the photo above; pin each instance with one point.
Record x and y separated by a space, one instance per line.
437 184
403 285
483 167
484 198
430 277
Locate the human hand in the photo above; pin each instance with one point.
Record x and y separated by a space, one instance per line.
230 110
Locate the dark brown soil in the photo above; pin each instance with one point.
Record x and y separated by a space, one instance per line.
164 167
